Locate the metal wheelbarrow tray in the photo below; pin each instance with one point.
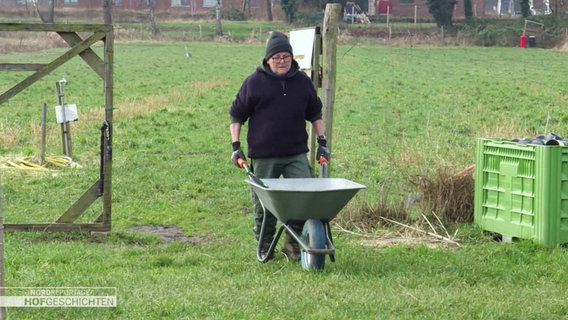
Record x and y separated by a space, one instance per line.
315 201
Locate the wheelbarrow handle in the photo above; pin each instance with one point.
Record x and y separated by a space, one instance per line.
324 167
244 164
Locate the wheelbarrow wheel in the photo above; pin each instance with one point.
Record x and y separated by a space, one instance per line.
313 235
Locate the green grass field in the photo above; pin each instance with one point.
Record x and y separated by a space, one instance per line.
400 112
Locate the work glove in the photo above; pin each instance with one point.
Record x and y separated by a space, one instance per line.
237 153
323 151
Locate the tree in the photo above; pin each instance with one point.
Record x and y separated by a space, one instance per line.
50 11
107 4
267 5
152 15
468 10
525 8
442 11
268 10
218 27
289 8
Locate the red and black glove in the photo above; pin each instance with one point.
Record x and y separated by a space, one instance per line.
322 155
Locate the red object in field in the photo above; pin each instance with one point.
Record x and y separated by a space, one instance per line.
523 41
383 6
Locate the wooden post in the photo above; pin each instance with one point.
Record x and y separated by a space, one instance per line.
316 80
42 141
65 129
329 56
415 13
2 286
108 145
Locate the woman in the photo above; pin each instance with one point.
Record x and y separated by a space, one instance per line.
277 99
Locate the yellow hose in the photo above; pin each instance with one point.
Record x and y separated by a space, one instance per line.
50 163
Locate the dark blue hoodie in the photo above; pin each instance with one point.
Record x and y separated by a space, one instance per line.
277 109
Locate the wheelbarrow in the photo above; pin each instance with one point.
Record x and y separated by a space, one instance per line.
314 201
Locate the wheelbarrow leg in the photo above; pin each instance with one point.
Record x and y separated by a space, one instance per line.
329 242
266 257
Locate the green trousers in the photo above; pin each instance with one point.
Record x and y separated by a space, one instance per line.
288 167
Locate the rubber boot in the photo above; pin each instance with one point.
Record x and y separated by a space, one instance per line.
291 247
265 246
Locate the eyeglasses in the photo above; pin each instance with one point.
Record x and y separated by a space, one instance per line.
286 58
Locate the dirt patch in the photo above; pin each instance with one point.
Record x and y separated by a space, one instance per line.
409 235
389 242
168 234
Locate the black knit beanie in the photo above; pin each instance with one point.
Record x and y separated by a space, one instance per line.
277 42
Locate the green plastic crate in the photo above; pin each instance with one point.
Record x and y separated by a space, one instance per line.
521 191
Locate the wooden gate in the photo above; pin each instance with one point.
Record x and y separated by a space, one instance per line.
104 69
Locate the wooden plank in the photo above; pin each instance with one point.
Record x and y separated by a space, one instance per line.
90 57
55 27
21 66
80 47
79 207
533 32
56 227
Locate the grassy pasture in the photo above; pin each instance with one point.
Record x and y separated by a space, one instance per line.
400 112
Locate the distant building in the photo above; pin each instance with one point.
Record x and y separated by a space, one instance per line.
419 9
256 8
191 6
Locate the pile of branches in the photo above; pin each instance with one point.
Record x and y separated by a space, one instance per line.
450 195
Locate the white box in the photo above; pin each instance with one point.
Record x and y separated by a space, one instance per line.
70 113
